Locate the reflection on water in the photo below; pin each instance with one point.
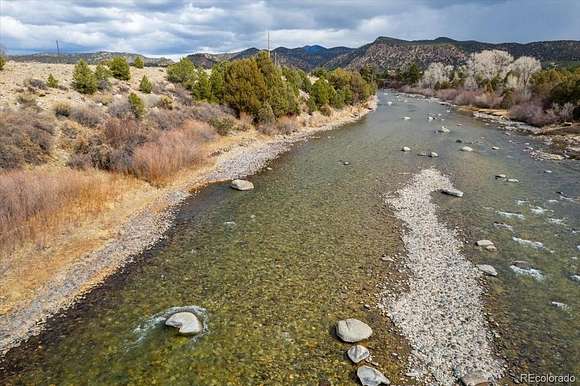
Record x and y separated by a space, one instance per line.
275 268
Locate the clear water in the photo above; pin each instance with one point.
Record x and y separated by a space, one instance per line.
303 251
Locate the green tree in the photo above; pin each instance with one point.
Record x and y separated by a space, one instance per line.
145 86
266 114
84 80
2 61
201 90
102 73
137 105
52 82
411 74
138 62
120 68
217 82
311 105
245 88
321 92
181 72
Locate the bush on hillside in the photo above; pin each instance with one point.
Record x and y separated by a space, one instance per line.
2 62
181 72
137 105
138 62
87 115
84 80
120 68
145 85
103 73
52 82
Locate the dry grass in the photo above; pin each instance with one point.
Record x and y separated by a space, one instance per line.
37 203
173 150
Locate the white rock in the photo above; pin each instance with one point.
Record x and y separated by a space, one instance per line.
371 377
487 269
547 171
187 323
466 148
242 185
494 148
433 155
389 103
353 330
484 243
575 278
405 148
491 248
500 176
358 353
406 118
475 378
452 192
443 129
514 180
430 118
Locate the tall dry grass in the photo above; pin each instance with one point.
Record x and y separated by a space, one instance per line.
172 151
34 204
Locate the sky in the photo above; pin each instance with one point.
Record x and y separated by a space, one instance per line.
174 28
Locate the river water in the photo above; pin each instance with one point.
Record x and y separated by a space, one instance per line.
273 269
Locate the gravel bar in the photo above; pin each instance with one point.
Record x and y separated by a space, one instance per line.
441 314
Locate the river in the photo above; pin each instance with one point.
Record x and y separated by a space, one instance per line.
276 267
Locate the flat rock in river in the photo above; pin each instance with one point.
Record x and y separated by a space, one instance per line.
371 377
242 185
405 149
466 148
452 192
358 353
353 330
186 322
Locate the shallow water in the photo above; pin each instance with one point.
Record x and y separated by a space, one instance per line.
275 268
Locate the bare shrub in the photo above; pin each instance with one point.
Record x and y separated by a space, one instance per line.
223 125
120 108
171 152
36 84
36 202
487 100
465 97
62 109
90 116
166 119
448 94
24 138
27 100
205 112
246 121
533 113
286 125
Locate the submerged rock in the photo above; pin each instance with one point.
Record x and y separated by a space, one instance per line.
515 180
494 148
500 176
406 118
186 322
371 377
405 148
242 185
346 163
358 353
353 330
443 129
433 155
487 269
475 378
466 148
452 192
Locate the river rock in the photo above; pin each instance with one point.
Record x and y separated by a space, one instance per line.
548 171
452 192
242 185
405 149
443 129
358 353
433 155
466 148
487 269
514 180
353 330
522 264
406 118
459 141
494 148
575 278
484 243
186 322
346 163
500 176
371 377
422 154
475 378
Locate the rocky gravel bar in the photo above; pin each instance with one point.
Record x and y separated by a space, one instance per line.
441 314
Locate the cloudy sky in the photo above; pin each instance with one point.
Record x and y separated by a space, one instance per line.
173 27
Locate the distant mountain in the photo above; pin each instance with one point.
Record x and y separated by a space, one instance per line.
89 57
387 52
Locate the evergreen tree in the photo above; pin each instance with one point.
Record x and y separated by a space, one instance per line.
201 90
181 72
52 82
120 68
245 88
145 86
217 82
137 105
84 80
138 62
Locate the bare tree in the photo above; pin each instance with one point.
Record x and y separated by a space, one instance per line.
489 64
436 73
524 67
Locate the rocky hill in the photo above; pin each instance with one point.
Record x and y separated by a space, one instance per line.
89 57
387 52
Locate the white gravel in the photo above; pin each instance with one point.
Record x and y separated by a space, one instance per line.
441 315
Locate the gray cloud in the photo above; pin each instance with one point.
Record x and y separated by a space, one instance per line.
172 28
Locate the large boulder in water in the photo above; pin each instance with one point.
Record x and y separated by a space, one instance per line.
242 185
353 330
186 322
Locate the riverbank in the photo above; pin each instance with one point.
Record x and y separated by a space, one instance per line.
234 157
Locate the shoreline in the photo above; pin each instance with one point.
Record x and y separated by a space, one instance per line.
148 226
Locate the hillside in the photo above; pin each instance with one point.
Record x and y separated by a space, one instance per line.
386 52
89 57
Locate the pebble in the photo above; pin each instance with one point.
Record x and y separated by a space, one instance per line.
353 330
358 353
406 118
466 148
548 171
452 192
405 149
487 269
346 163
433 155
443 129
241 185
369 376
514 180
494 148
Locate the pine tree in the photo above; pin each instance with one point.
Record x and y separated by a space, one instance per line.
138 62
52 82
145 85
201 90
137 105
120 68
84 80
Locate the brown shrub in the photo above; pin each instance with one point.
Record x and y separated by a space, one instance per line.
167 119
25 138
62 109
35 202
36 84
90 116
27 100
447 94
533 113
171 152
120 108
